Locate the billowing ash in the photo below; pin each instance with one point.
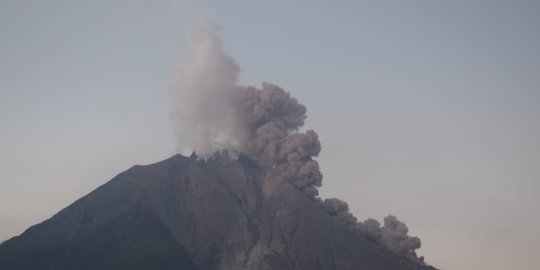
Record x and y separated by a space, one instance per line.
215 115
393 236
273 117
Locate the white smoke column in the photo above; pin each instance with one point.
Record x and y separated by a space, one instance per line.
203 106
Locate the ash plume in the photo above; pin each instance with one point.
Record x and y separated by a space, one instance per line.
393 236
215 115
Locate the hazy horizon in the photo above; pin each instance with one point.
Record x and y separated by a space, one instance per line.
427 110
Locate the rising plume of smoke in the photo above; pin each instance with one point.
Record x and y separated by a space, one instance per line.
214 114
203 106
273 118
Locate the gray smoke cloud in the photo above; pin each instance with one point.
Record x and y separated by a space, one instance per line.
272 119
214 115
340 210
393 236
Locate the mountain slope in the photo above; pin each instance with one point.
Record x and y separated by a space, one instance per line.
184 213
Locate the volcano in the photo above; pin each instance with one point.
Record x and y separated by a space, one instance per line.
187 213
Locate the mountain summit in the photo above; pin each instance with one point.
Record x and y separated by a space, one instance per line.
185 213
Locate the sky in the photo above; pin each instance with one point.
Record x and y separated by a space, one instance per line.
427 110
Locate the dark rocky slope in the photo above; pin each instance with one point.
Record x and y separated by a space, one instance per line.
183 213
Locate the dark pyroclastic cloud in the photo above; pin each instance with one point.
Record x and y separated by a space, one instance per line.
214 115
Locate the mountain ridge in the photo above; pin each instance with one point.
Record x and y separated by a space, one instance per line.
186 213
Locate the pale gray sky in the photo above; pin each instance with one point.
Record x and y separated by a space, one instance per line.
427 110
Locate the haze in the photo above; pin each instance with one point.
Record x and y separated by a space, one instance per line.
427 110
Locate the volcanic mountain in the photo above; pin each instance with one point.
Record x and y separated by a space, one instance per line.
187 213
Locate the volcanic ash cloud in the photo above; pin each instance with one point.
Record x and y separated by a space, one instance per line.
214 114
